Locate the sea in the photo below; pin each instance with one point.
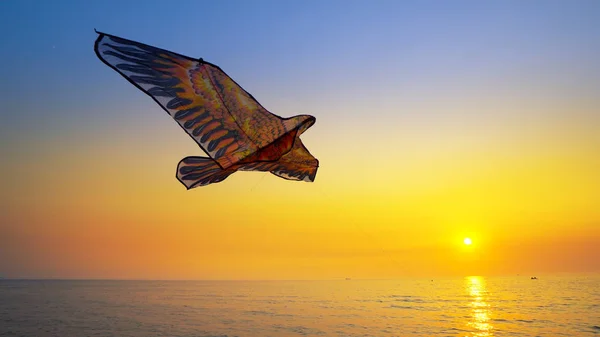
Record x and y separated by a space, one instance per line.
471 306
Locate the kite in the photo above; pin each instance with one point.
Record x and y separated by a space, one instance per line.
236 132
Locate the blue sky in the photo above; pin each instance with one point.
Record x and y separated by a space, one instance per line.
392 65
353 47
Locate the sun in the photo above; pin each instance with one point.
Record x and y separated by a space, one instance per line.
467 241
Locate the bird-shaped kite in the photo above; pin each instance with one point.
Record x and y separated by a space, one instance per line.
235 131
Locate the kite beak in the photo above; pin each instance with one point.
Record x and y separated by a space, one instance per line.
304 122
299 123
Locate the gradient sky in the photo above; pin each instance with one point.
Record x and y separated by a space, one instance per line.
436 120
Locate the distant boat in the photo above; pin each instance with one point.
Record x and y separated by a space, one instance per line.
348 279
534 278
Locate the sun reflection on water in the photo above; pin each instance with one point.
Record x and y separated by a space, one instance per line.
480 309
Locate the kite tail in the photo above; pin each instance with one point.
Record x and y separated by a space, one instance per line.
200 171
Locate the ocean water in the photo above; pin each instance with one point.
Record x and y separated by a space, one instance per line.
471 306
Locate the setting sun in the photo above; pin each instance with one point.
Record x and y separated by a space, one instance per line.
467 241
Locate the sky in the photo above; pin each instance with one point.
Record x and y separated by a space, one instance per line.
436 121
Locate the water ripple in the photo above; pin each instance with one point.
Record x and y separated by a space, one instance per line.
466 307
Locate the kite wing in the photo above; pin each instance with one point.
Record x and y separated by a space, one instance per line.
224 119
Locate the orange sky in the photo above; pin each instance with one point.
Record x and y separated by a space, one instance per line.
529 209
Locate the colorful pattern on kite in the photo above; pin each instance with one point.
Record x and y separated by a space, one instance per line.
225 120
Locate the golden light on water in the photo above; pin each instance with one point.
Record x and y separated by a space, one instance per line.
480 309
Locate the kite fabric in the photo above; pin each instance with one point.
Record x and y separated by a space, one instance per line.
236 132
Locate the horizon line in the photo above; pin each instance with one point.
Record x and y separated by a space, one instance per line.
295 280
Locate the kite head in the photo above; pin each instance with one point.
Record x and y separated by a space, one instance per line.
300 122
